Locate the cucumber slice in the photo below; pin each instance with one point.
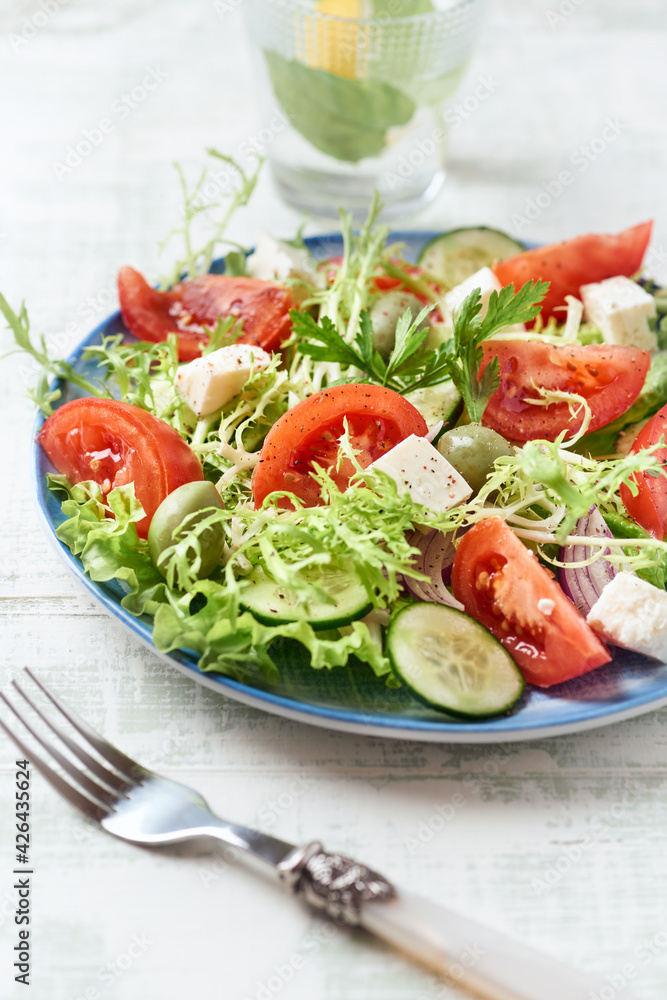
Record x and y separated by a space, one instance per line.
452 257
273 604
437 402
451 662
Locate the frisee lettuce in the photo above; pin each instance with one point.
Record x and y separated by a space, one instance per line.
208 616
230 193
44 393
345 350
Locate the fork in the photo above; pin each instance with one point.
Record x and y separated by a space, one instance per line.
137 805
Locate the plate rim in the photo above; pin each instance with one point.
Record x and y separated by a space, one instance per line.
505 729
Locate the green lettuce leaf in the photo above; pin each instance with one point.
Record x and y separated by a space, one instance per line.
108 546
240 647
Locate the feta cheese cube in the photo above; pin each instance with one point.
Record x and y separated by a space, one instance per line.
487 282
621 309
484 279
275 260
632 613
420 470
207 383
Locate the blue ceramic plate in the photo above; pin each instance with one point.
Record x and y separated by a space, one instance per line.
353 700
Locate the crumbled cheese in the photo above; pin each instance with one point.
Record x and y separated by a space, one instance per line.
632 613
484 279
207 383
487 282
546 606
621 309
274 260
420 470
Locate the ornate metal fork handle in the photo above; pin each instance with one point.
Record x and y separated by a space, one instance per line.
142 807
333 883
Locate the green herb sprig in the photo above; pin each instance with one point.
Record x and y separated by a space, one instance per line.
196 204
409 366
49 368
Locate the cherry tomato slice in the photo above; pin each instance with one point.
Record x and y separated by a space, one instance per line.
114 443
502 585
377 419
572 263
192 305
609 377
649 506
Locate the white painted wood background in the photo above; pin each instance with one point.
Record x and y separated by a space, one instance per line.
586 813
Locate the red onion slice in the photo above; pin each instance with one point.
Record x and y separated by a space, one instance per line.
584 584
435 559
435 430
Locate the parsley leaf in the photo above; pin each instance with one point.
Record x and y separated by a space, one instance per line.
323 342
409 366
463 354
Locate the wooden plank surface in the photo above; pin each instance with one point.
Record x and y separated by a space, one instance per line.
561 842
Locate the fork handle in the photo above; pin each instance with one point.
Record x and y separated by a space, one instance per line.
480 960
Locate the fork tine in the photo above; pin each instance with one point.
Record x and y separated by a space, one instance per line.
110 778
127 767
96 791
73 795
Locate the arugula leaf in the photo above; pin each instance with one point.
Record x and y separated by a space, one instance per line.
345 118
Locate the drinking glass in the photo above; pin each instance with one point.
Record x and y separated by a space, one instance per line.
351 96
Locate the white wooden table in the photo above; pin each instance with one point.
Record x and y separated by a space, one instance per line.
560 842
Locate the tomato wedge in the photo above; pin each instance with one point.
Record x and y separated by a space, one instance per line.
649 506
377 419
573 263
609 377
502 585
116 443
192 305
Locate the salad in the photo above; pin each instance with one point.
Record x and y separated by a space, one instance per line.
451 473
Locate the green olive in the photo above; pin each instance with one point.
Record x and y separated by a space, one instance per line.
187 499
472 450
385 314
